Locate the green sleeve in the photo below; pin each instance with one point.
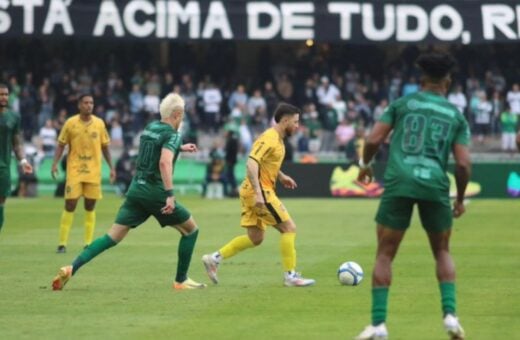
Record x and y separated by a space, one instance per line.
172 143
462 135
389 114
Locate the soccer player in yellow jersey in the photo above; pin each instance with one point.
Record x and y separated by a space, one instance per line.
87 138
260 205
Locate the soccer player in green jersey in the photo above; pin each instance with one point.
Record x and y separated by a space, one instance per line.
10 140
425 129
151 194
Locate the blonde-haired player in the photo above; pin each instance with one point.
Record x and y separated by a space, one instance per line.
151 194
87 138
260 205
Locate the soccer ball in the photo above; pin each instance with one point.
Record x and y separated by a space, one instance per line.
350 274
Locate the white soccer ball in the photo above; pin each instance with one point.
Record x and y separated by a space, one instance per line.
350 274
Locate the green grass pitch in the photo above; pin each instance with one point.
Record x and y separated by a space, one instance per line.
126 292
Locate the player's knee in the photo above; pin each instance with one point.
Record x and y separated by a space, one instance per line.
70 205
256 240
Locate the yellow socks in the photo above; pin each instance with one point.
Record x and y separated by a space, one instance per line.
288 251
235 246
90 222
65 224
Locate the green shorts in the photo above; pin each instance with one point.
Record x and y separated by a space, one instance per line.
5 184
136 210
396 213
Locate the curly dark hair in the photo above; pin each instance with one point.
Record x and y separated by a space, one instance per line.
436 65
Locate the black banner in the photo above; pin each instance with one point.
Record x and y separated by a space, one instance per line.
360 22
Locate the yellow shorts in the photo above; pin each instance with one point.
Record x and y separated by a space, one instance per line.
272 214
87 190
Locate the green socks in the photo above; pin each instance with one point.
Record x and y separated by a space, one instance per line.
379 303
448 299
1 216
186 246
97 247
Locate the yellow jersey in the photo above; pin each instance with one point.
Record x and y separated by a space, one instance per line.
85 140
268 151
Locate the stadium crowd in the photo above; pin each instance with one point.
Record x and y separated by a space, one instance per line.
340 101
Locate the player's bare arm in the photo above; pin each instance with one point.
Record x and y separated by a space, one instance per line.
378 135
189 147
20 154
166 169
108 158
462 175
518 140
57 156
252 175
287 181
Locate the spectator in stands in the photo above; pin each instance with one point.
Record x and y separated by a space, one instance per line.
326 94
410 86
498 108
271 98
47 141
215 171
483 118
45 99
344 134
238 97
231 155
212 98
150 104
14 94
136 101
315 129
285 88
508 121
116 132
307 94
27 113
256 104
513 98
458 99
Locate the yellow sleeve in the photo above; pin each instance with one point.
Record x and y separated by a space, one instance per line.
261 148
105 138
64 137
